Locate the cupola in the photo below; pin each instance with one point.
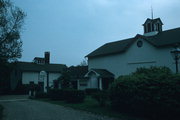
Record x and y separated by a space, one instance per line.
152 26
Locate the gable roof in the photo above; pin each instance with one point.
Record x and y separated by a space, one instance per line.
162 39
38 58
165 38
101 73
112 47
153 20
77 72
29 66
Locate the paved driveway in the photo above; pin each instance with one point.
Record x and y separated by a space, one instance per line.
21 108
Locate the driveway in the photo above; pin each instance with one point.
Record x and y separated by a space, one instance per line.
22 108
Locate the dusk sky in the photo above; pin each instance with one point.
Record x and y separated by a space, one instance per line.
71 29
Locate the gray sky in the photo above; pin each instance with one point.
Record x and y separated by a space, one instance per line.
70 29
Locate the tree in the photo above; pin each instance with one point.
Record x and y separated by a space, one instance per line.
11 21
64 80
84 63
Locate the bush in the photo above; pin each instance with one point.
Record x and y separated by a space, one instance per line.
56 94
90 91
74 96
21 89
41 95
154 92
101 97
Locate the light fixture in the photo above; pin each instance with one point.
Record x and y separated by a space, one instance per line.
176 55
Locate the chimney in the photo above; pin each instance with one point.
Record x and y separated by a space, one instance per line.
47 57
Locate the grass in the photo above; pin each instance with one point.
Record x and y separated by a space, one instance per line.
1 112
91 105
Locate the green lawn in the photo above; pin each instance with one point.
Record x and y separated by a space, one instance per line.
92 106
1 112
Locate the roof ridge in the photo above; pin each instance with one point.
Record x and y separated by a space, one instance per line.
171 29
23 62
122 45
120 40
38 64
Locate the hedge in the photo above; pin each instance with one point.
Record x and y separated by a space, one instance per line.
56 94
68 95
153 92
74 96
41 95
90 91
101 97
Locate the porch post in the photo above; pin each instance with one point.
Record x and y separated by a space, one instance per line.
78 84
47 88
100 83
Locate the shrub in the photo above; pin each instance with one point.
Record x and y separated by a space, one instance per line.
154 92
56 94
74 96
90 91
101 97
41 95
21 89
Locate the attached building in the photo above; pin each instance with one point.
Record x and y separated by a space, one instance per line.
40 71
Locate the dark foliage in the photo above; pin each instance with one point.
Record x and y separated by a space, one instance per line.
56 94
101 97
5 70
153 92
41 95
21 89
70 75
64 79
77 72
90 91
74 96
11 20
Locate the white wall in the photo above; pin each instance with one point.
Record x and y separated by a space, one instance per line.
53 76
93 81
84 86
27 77
30 76
134 57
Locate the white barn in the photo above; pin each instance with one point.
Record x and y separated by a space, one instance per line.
125 56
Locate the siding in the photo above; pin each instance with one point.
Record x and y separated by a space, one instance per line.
30 76
53 76
34 76
134 57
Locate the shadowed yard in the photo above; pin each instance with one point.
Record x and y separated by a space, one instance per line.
92 106
24 109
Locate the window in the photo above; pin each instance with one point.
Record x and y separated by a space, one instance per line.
56 83
152 27
16 72
31 82
149 27
145 31
139 43
83 84
158 27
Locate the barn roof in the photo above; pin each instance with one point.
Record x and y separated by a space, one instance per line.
162 39
30 66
